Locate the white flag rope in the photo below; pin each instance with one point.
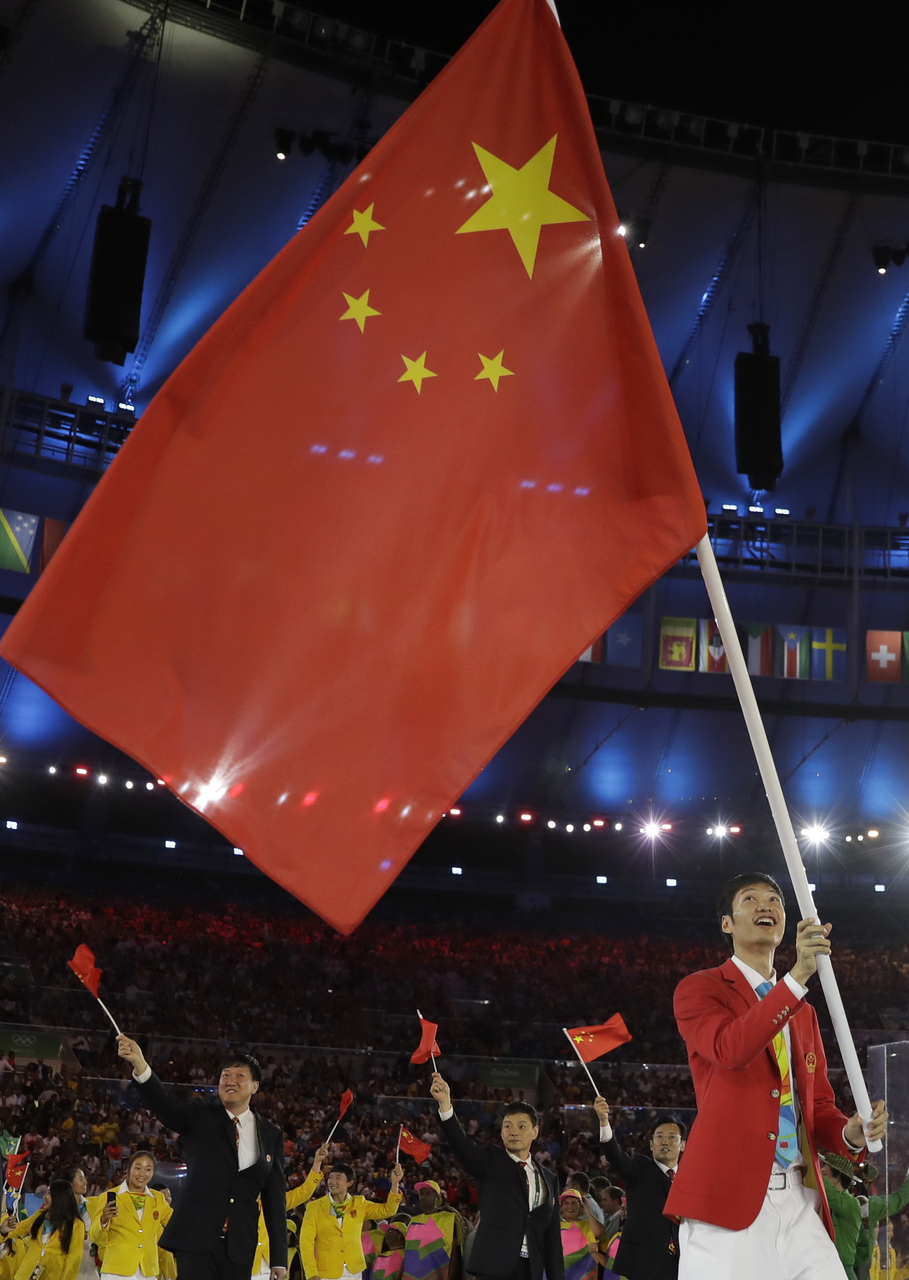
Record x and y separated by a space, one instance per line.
804 897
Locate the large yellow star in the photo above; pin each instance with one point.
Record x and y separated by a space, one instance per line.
416 371
493 369
363 224
521 202
359 309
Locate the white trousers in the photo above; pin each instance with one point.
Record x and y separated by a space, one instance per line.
786 1241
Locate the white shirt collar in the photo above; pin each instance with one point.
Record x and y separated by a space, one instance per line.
123 1190
752 975
242 1116
667 1169
517 1159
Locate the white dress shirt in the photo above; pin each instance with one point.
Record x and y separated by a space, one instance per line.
248 1146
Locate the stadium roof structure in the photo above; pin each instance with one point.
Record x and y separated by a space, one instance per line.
730 222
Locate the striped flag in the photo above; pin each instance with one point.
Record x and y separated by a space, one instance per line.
677 640
17 538
828 654
759 647
795 653
711 651
593 653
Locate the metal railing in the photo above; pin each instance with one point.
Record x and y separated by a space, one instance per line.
60 437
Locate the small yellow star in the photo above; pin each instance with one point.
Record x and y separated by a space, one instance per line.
359 309
363 224
521 202
416 371
493 369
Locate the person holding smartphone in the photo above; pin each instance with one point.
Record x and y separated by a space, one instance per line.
127 1222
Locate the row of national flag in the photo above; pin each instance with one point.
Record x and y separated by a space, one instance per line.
787 652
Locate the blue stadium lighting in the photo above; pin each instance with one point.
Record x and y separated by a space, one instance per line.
602 879
170 844
671 884
758 511
126 408
95 400
457 871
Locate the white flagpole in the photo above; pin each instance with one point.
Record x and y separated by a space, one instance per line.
398 1151
804 897
596 1091
117 1030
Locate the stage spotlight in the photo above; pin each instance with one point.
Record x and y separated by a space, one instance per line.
284 140
500 817
102 779
881 255
815 834
52 769
650 829
617 826
719 833
551 825
873 833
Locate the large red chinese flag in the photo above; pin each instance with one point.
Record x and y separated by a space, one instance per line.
419 465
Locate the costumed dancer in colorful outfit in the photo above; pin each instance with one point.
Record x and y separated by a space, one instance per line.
435 1238
581 1233
53 1237
127 1229
390 1262
330 1238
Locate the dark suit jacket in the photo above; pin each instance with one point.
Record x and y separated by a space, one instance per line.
505 1216
215 1187
649 1245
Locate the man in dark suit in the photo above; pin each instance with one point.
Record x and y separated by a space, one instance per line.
649 1245
519 1236
233 1157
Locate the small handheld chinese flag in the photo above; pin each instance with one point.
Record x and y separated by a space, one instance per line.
414 1147
16 1167
346 1100
427 1048
423 461
593 1042
83 966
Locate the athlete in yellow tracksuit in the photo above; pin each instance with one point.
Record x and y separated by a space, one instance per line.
292 1200
46 1252
331 1235
127 1230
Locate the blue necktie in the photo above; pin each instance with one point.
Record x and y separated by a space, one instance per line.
787 1139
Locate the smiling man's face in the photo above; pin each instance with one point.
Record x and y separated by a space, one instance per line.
758 917
235 1087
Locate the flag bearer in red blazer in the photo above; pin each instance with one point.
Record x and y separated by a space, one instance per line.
749 1192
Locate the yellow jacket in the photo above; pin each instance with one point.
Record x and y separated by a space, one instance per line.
33 1253
128 1242
292 1200
328 1244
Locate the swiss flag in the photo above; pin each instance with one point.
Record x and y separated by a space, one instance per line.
417 468
883 650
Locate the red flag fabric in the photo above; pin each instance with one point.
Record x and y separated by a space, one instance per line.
883 651
427 1048
15 1169
414 1147
593 1042
83 966
417 468
346 1100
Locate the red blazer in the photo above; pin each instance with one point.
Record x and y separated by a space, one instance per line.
729 1157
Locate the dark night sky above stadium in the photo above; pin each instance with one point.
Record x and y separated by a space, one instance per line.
839 67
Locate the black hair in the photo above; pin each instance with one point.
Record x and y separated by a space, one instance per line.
242 1060
581 1182
599 1183
735 885
615 1193
668 1120
345 1169
521 1109
61 1215
67 1175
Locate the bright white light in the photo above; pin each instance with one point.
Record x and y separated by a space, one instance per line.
457 871
812 887
102 778
602 879
12 826
129 786
849 839
598 822
671 884
126 408
149 786
734 831
710 831
161 782
170 844
569 826
282 155
730 506
815 834
238 852
650 829
873 833
551 825
500 817
96 400
586 826
860 837
618 826
881 271
781 511
527 817
623 230
757 511
665 826
83 773
52 769
878 888
455 813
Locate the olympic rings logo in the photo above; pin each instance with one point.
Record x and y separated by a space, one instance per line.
21 1041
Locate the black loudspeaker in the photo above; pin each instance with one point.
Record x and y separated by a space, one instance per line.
758 444
117 276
